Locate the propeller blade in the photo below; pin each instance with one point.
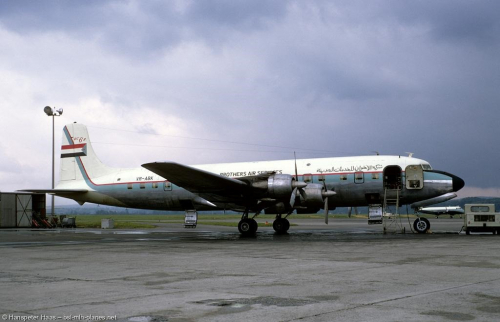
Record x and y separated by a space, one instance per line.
302 193
298 185
327 193
326 211
296 173
293 197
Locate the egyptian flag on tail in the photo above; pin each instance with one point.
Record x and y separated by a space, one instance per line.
74 150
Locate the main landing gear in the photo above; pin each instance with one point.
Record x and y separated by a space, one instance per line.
281 225
248 226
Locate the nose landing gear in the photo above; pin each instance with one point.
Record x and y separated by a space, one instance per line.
421 225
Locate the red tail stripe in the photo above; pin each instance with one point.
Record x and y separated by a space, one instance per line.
73 146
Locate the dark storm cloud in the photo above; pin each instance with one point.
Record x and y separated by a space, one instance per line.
453 20
41 16
138 26
120 25
162 22
240 15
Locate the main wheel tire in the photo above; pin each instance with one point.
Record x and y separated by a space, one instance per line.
245 227
254 225
287 224
421 225
281 225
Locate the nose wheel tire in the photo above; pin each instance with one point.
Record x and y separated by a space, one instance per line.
421 225
248 227
281 225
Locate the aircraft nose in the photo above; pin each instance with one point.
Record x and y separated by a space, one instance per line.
458 183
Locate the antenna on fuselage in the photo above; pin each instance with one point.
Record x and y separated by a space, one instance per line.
410 154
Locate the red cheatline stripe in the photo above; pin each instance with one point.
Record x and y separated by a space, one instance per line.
74 146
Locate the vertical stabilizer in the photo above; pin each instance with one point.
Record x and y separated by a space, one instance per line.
78 159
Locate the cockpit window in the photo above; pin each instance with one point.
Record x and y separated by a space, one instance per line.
426 166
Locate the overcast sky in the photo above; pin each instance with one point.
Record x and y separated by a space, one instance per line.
221 81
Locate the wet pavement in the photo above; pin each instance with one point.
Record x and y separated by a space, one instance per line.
347 271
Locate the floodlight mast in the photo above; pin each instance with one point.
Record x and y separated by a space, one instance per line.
53 112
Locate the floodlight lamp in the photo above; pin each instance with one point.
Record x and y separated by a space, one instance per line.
48 110
60 111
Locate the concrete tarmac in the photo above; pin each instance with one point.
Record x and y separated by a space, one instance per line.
346 271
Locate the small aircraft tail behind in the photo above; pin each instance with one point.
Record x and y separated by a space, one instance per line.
78 159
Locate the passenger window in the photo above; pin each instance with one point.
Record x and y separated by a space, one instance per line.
321 177
359 177
155 185
343 177
129 186
308 177
167 186
142 186
375 176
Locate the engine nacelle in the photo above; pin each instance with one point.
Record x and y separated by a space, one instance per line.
312 196
278 189
278 186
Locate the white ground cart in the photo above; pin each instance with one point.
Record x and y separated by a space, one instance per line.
481 218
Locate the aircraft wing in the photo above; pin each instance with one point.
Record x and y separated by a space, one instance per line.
196 180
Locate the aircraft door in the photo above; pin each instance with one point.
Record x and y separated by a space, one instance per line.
414 177
392 177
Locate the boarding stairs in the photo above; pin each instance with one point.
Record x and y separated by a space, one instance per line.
391 219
